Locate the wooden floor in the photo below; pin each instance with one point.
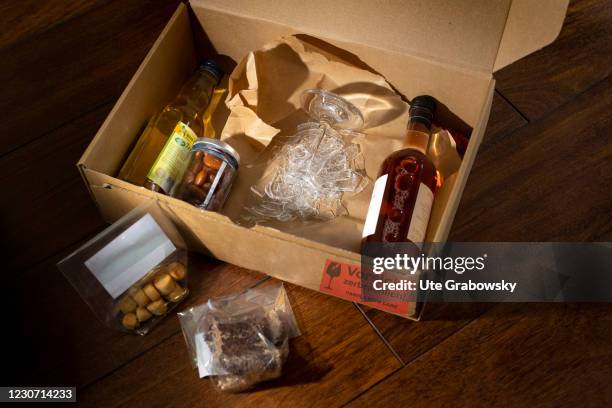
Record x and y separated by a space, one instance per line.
543 173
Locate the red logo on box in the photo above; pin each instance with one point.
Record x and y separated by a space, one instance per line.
344 280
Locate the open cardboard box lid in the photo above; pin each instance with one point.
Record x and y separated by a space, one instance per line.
481 35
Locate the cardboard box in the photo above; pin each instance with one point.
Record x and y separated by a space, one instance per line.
446 49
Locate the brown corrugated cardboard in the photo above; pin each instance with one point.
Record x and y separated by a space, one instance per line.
475 34
530 26
453 61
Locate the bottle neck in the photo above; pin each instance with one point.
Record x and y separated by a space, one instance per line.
417 135
196 94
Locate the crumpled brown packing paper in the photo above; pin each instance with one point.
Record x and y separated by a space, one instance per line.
264 103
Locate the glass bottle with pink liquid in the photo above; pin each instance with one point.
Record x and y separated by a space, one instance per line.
404 190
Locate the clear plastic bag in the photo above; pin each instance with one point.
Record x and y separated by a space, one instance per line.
242 339
134 272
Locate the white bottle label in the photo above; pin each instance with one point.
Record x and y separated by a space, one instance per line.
374 209
420 215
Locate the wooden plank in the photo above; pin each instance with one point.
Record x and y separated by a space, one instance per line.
337 356
48 203
70 69
504 120
61 341
579 58
409 339
27 17
549 181
515 355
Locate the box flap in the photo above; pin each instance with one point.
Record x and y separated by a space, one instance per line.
464 33
529 28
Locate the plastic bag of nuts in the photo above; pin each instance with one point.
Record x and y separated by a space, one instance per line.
134 272
242 339
155 295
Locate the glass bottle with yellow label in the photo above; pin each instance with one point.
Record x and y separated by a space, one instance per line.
162 152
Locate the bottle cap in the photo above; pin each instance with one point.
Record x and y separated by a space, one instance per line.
423 108
213 67
425 101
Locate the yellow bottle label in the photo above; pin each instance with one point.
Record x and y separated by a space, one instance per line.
173 159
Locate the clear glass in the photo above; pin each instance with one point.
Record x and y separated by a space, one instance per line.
208 179
309 175
327 107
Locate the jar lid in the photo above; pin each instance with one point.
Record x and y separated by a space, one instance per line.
208 143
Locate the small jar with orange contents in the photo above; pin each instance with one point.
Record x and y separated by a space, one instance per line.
208 179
